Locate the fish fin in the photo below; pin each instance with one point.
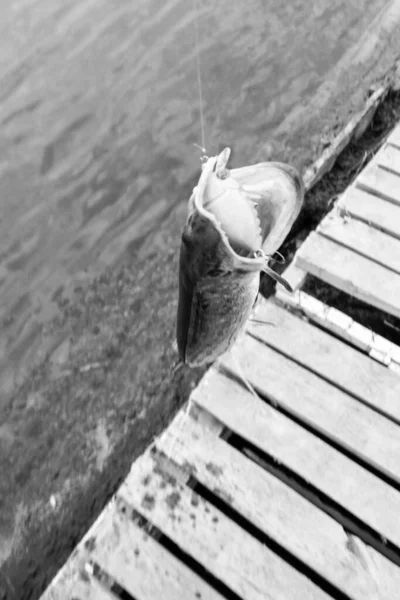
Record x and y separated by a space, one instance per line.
278 278
262 322
185 301
236 370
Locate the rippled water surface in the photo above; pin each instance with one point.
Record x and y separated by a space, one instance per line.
99 114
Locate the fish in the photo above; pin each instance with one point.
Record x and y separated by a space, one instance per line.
236 221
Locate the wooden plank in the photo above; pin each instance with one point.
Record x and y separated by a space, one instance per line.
245 565
328 357
331 319
372 210
140 564
70 585
355 127
328 317
351 273
74 582
389 158
379 182
314 460
280 512
365 240
343 419
205 419
133 559
394 137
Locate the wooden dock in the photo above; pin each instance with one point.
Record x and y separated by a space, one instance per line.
294 494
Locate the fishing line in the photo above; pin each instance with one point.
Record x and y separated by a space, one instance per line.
199 83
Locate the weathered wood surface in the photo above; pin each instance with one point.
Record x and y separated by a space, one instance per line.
328 357
379 182
280 512
232 555
133 559
389 158
372 437
72 585
372 210
375 502
140 564
356 126
73 581
394 137
343 326
351 273
360 237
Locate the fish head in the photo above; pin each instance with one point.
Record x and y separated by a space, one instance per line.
235 219
278 191
218 269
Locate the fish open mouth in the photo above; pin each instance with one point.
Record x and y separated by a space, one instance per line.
252 208
219 198
222 197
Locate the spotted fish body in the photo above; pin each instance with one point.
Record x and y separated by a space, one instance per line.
233 217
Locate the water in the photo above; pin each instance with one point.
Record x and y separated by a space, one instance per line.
99 113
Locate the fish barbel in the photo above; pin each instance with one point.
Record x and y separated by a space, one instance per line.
237 219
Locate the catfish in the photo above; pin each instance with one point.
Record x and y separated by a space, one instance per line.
237 220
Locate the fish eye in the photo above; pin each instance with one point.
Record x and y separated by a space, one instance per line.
217 273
